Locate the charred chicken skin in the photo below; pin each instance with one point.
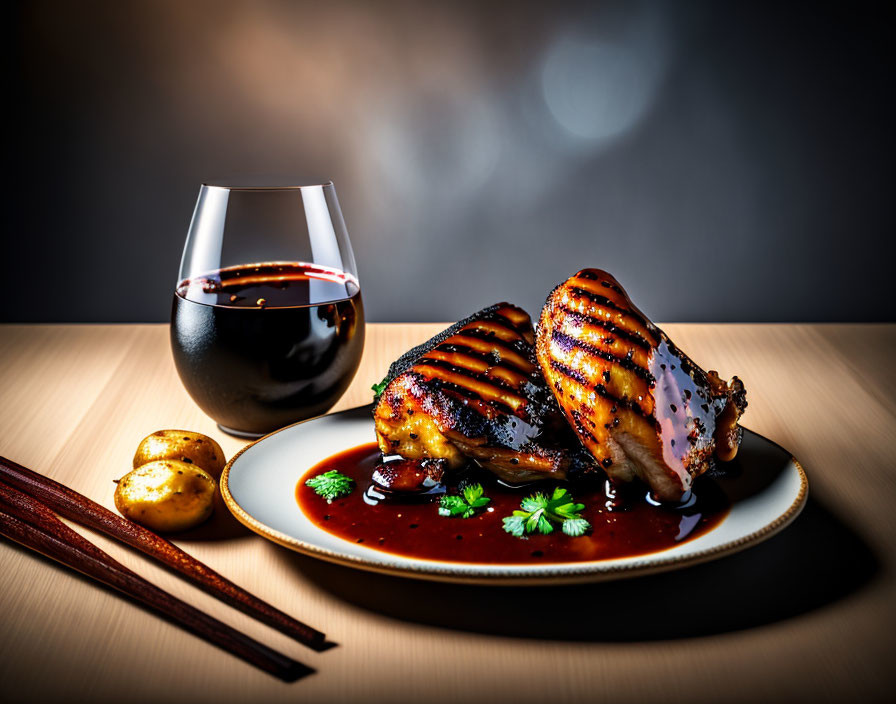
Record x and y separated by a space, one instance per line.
639 405
475 391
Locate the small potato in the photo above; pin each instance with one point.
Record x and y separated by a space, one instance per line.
166 495
183 445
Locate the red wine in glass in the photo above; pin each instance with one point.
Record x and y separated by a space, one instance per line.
259 346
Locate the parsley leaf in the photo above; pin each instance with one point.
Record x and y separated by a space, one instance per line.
379 388
515 525
575 527
331 485
465 505
540 513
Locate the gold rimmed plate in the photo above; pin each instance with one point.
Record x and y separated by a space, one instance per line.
767 490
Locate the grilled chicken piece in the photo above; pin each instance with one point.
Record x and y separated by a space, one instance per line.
475 391
638 404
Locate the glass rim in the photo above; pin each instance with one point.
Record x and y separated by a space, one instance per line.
323 184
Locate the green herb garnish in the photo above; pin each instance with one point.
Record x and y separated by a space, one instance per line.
331 485
466 504
379 388
539 513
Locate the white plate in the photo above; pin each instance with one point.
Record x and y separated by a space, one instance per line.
259 485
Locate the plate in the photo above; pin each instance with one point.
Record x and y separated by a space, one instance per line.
767 490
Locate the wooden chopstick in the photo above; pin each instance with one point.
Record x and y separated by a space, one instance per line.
27 521
77 507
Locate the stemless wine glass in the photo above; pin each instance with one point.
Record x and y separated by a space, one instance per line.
267 324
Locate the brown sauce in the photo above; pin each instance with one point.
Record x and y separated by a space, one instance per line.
415 529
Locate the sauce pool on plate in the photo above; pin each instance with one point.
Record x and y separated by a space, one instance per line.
635 527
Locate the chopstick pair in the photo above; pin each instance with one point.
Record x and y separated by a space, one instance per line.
29 503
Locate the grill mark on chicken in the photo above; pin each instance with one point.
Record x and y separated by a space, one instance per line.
630 318
609 326
494 356
495 329
595 275
571 373
479 365
612 287
598 299
477 384
607 286
462 391
489 346
566 343
479 376
601 390
621 386
507 334
581 429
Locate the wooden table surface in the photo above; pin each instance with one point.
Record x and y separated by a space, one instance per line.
808 615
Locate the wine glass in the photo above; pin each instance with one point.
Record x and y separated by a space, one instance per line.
267 323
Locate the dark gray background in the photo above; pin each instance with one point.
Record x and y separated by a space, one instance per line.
726 161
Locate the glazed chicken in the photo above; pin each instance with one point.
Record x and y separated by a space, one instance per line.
639 405
475 391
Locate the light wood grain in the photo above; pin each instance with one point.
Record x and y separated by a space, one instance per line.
808 615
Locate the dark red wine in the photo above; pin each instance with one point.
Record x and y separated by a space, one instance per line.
264 345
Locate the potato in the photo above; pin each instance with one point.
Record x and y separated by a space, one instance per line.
183 445
166 495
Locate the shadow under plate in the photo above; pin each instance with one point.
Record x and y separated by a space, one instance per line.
817 561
